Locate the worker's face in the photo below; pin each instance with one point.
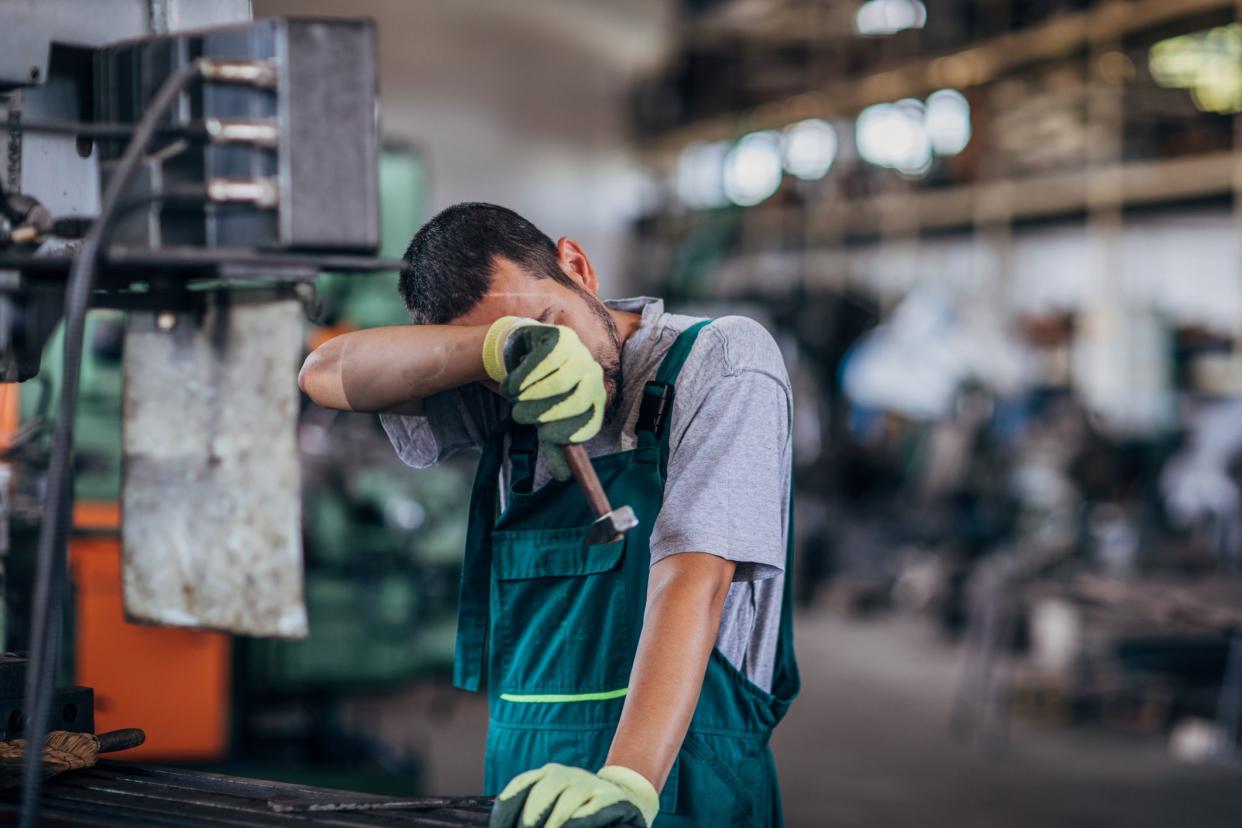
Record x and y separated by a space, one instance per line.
517 292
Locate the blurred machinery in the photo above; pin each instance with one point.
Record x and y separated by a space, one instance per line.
198 183
1005 237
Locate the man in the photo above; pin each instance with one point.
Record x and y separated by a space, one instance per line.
625 679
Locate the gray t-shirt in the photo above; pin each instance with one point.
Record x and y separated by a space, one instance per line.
727 491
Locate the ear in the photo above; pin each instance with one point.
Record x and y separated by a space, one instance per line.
575 264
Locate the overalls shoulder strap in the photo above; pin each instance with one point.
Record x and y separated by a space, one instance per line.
656 408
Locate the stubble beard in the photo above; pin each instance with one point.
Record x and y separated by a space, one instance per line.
611 363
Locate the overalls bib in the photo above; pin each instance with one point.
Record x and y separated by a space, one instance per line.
563 624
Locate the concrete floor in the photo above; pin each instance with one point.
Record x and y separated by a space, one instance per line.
867 745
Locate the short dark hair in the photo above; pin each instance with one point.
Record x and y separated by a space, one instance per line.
448 266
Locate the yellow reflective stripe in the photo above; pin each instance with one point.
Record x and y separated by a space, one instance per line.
557 698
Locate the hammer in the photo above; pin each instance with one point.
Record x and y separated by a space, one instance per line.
610 524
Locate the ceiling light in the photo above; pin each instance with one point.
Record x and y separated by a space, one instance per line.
947 121
1208 63
886 17
700 174
893 135
810 148
752 169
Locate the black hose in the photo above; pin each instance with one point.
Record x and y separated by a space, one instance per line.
46 610
96 129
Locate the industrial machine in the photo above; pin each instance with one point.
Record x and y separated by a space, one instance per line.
195 171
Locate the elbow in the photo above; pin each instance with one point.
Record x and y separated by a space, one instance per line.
304 375
320 364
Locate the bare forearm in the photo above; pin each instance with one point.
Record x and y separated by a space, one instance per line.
685 597
394 368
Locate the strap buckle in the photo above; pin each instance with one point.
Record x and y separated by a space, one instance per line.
656 405
523 439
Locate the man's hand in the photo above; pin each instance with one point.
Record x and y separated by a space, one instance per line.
558 796
552 380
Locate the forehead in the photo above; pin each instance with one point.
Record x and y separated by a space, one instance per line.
513 292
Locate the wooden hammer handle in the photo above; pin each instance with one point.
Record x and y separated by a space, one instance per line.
580 464
114 740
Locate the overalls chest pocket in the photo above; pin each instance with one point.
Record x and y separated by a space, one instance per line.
560 617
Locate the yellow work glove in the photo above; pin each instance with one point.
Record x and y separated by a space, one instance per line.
552 380
557 796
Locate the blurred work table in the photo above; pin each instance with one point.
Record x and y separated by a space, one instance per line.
118 794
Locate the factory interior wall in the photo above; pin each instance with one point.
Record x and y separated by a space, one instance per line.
552 145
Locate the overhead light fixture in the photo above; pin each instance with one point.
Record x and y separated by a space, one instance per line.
700 174
752 169
905 135
1208 63
948 121
886 17
810 148
894 135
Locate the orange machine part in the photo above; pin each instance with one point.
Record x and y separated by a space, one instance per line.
174 684
318 335
10 411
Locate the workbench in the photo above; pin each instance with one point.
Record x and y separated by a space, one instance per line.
119 794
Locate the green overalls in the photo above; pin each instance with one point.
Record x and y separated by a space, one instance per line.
564 622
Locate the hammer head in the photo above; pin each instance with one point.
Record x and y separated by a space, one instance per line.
611 526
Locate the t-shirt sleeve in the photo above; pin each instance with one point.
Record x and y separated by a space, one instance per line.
728 486
453 420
